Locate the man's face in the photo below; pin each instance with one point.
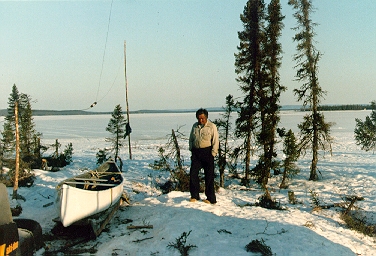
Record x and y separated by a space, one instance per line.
202 119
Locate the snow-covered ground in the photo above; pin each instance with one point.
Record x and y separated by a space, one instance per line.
221 229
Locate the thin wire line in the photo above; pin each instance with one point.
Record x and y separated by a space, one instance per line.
113 83
104 54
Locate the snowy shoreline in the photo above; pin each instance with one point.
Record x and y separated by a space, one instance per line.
300 230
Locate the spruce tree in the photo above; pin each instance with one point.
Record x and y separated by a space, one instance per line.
248 63
257 65
365 131
8 133
290 149
28 135
27 155
314 131
269 94
117 127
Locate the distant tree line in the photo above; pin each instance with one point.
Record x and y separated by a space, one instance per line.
345 107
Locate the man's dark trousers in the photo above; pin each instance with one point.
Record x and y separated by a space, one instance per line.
202 158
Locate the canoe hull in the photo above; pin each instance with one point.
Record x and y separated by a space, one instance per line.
76 203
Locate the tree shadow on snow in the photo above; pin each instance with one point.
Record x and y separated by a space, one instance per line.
213 232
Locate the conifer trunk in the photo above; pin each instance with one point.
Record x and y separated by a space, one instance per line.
17 167
315 146
177 148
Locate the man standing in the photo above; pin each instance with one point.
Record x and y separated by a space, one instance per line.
203 143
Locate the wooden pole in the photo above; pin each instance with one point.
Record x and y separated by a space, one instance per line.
17 168
126 99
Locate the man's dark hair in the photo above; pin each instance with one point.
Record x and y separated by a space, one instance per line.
202 111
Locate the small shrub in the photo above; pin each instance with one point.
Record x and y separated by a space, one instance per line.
245 182
224 231
102 156
163 163
290 149
309 224
356 221
167 187
26 178
180 244
259 246
182 179
315 198
178 181
68 152
265 201
60 159
292 197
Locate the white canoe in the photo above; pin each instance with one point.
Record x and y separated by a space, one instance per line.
84 195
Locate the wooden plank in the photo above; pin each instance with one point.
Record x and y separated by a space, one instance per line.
99 174
98 225
94 172
91 183
139 227
90 179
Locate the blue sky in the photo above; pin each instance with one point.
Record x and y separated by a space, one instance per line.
180 54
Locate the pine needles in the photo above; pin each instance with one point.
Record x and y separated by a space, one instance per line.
259 246
180 244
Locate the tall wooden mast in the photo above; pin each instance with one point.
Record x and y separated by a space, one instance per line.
126 101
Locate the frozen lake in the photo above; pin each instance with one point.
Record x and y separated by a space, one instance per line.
88 132
157 126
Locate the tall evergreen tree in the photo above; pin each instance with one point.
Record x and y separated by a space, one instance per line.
270 93
314 131
28 152
248 68
116 126
8 134
257 65
28 134
29 146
